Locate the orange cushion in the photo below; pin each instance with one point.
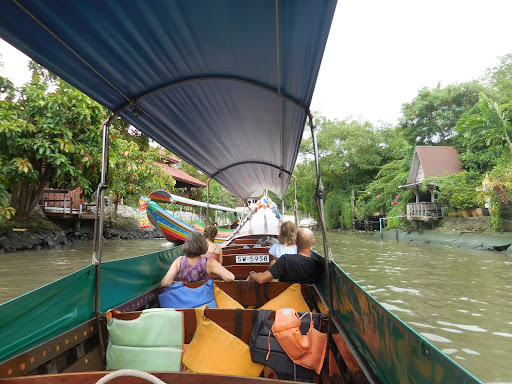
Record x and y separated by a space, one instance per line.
215 350
290 298
224 300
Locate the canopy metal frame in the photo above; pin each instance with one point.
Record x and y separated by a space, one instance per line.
333 323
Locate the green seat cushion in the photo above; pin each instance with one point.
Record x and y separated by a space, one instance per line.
152 342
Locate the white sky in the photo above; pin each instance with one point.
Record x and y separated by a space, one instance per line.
380 53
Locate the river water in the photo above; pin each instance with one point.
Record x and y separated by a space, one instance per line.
460 300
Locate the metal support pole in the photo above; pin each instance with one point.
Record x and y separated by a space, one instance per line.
295 200
320 204
381 225
208 201
98 225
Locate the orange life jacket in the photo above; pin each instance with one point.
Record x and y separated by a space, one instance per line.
305 350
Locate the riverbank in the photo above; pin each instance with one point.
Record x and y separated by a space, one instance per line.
39 232
469 233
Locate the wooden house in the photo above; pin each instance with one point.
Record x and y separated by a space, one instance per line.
183 180
428 162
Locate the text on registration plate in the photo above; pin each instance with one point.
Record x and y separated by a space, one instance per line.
252 259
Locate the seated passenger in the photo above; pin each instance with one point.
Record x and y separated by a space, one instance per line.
193 268
214 250
267 240
286 245
298 268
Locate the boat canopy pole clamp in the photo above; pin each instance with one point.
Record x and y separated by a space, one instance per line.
136 110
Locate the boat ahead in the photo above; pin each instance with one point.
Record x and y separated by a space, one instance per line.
225 85
174 229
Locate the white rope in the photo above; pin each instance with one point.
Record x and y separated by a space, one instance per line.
94 260
130 372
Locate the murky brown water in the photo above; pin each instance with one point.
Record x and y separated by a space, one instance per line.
461 300
22 272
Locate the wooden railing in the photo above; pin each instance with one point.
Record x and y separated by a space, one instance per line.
65 203
424 211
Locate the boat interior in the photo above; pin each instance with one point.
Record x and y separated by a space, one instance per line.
83 349
226 86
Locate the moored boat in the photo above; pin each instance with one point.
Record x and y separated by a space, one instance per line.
227 86
174 229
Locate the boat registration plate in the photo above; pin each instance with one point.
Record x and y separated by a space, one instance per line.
252 259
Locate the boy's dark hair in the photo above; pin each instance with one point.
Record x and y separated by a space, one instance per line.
195 244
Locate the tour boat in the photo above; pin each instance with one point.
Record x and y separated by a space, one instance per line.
225 85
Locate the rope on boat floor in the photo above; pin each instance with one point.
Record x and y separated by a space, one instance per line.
130 372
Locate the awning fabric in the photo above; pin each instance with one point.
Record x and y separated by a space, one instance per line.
162 196
200 77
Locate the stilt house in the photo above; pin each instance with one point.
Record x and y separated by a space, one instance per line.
428 162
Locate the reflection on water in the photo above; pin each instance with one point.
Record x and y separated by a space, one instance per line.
22 272
458 299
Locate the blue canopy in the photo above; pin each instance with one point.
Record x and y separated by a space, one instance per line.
226 85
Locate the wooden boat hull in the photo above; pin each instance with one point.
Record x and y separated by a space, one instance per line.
366 340
172 228
167 377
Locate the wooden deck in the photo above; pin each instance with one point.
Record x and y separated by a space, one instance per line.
424 211
66 204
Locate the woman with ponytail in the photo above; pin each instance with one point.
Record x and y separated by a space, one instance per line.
214 250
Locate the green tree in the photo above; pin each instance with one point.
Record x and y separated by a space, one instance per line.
383 195
498 188
132 170
47 137
486 135
220 195
499 78
306 188
352 152
430 118
459 191
50 135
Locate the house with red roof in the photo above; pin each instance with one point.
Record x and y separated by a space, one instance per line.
427 162
183 180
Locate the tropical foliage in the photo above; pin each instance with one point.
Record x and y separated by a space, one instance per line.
459 192
47 137
50 136
430 118
370 162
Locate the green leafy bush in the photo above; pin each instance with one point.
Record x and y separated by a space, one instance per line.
346 215
333 209
459 192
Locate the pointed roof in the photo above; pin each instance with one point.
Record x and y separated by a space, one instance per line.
168 159
183 180
433 161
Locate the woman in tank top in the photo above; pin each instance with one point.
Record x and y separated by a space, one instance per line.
192 267
214 250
